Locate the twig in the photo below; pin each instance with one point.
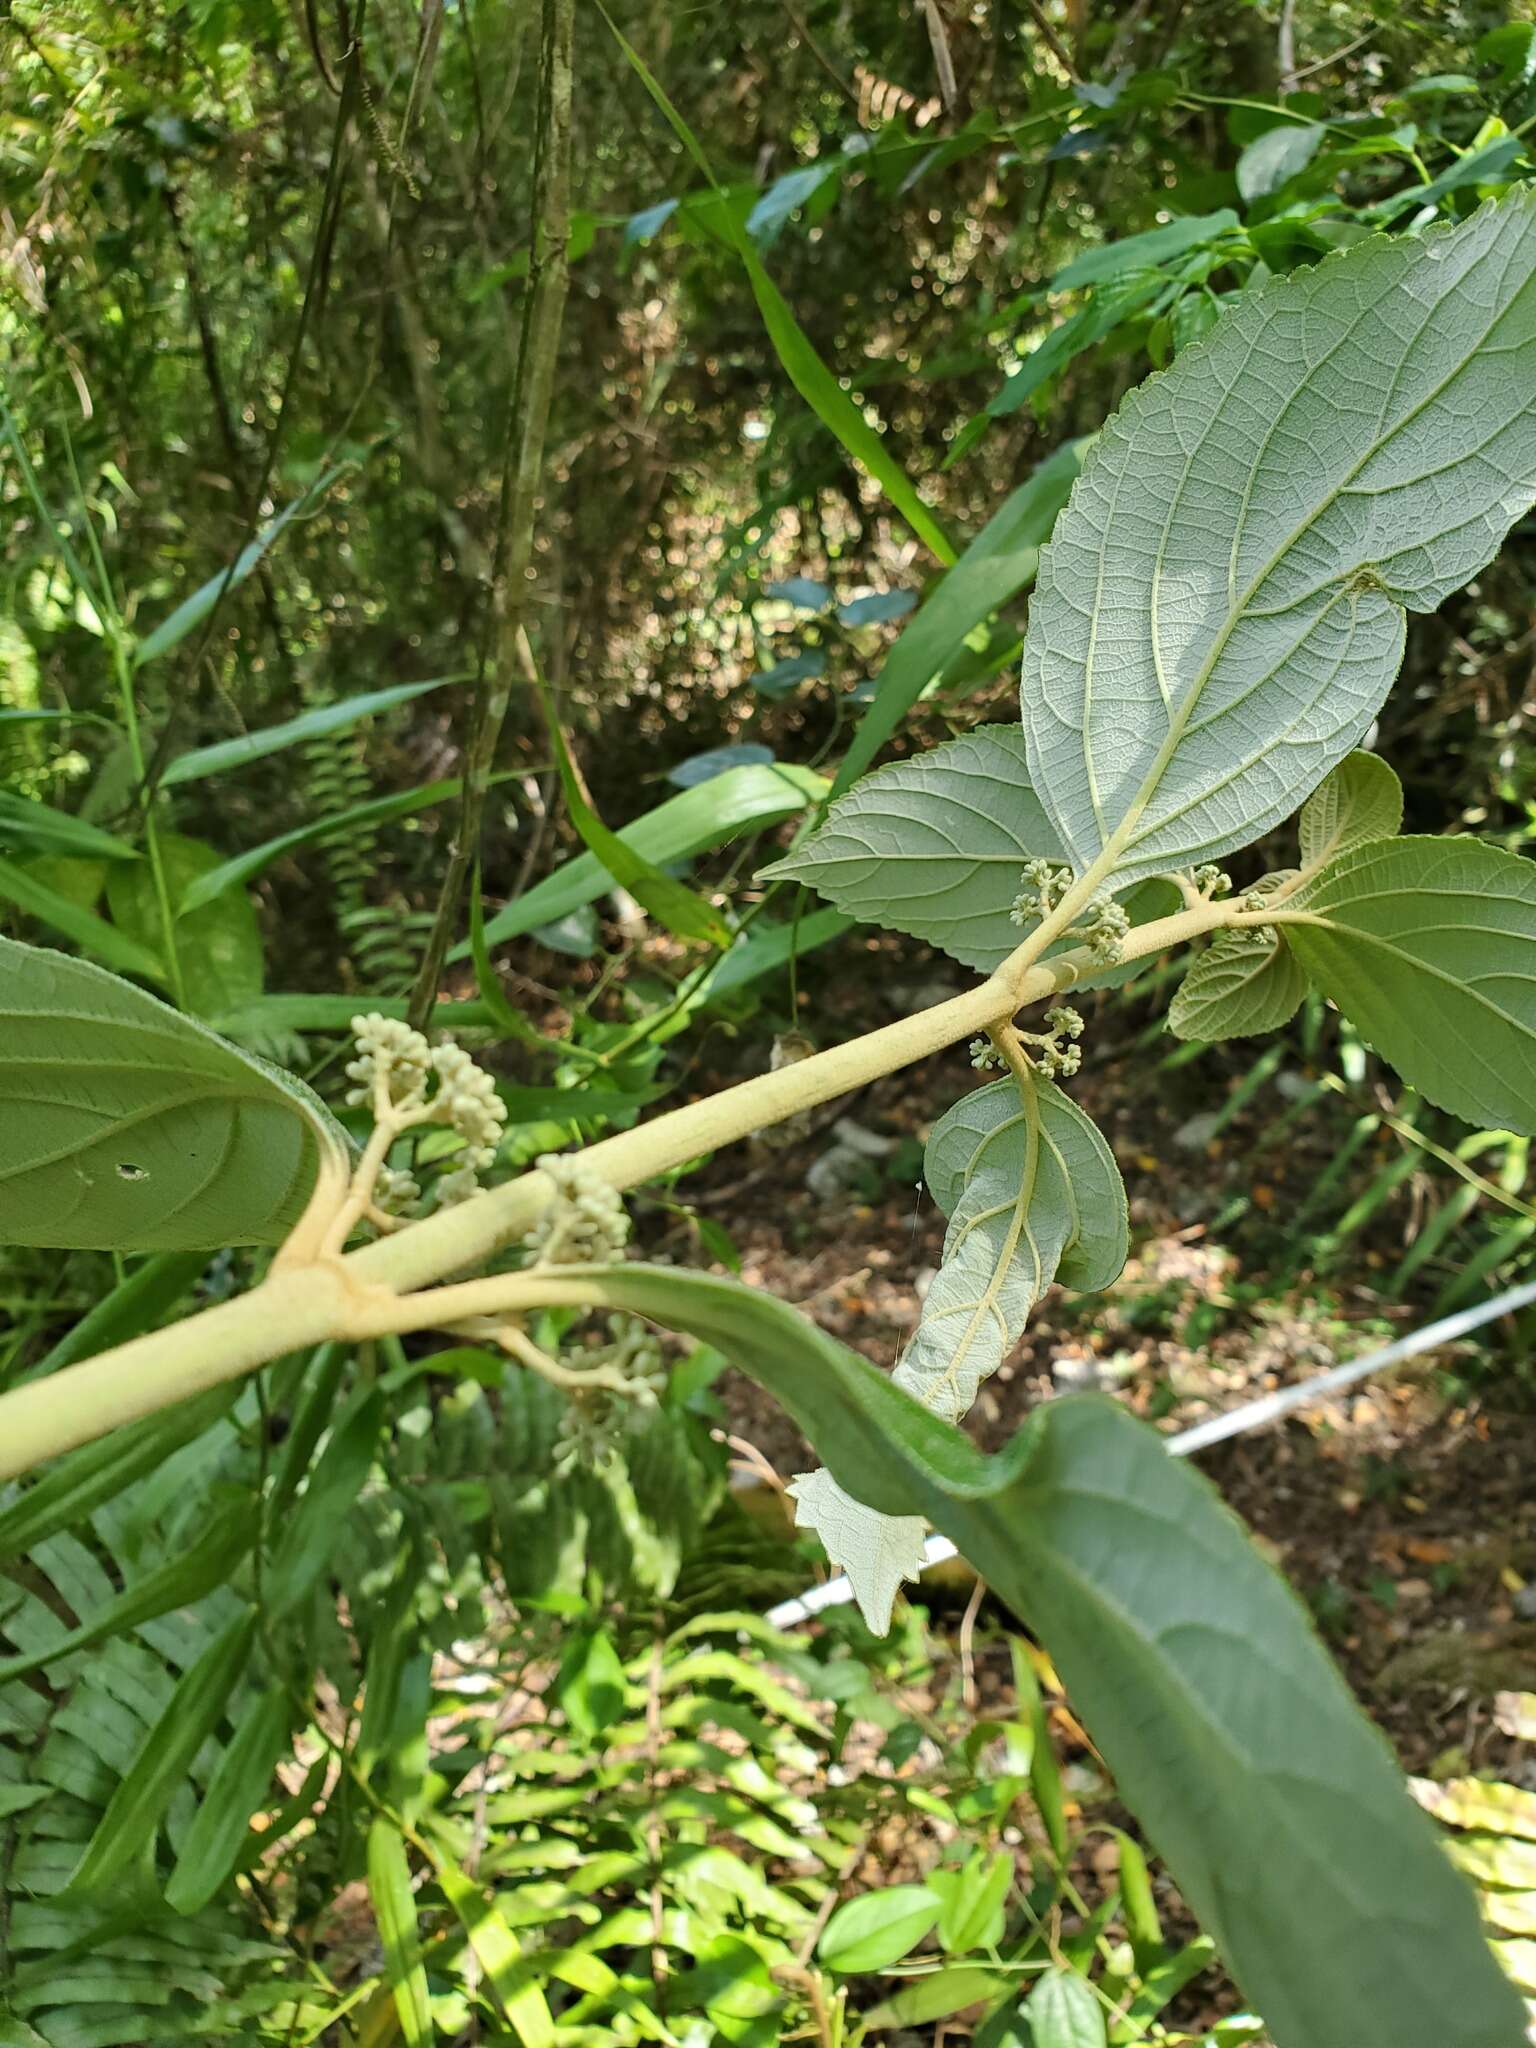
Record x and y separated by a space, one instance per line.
1285 51
968 1692
1049 37
1322 63
810 42
527 421
943 62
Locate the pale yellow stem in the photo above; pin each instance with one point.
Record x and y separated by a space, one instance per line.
374 1290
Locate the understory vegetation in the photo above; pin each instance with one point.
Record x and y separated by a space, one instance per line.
765 817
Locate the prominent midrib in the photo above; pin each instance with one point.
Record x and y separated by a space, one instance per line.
985 1305
1124 833
1410 960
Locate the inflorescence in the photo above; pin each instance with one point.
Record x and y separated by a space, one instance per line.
393 1072
1101 925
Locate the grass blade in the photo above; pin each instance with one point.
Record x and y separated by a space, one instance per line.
522 2003
225 755
394 1908
742 800
684 914
126 1835
92 934
191 612
998 564
216 1839
822 392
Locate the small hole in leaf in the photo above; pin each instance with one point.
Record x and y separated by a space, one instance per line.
126 1170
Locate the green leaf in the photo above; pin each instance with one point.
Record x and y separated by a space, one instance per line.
1030 1188
1146 251
1428 946
971 1901
1221 609
309 1540
1138 1906
191 612
879 607
127 1831
934 846
226 755
671 903
39 828
782 677
347 711
394 1908
1063 2013
1240 985
838 412
242 867
218 945
935 1996
131 1128
1225 1725
1275 157
1069 339
590 1687
1484 166
181 1581
996 566
522 2003
92 933
1357 802
242 1778
872 1932
743 800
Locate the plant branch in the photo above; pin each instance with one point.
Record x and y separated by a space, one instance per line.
387 1287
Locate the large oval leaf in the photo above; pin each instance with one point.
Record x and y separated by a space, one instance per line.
131 1128
1227 1727
878 1929
1428 946
218 944
1221 609
935 846
1032 1192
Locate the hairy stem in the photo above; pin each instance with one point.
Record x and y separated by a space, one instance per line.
387 1287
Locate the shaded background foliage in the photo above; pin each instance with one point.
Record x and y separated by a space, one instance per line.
257 258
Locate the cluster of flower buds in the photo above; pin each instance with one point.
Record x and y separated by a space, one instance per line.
1211 882
395 1192
1053 1057
1045 883
586 1223
593 1421
1259 897
1102 927
466 1099
392 1054
391 1074
985 1055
